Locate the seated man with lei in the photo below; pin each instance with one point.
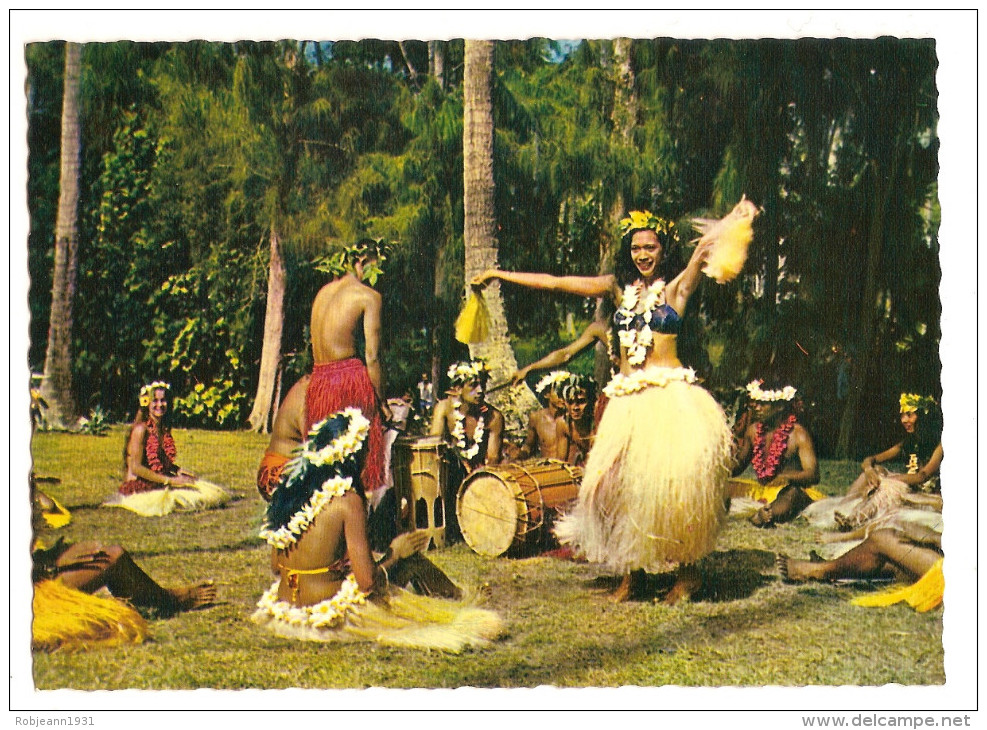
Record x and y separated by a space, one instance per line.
578 426
772 444
474 427
329 588
544 425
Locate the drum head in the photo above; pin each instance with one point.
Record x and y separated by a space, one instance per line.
489 511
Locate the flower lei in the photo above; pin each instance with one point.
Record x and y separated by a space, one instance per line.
766 466
343 446
459 434
640 379
286 536
326 614
755 393
637 341
151 450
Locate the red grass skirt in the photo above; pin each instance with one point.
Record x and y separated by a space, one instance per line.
344 384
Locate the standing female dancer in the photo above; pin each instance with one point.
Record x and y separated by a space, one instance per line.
653 493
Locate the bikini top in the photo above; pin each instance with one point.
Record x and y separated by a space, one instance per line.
664 320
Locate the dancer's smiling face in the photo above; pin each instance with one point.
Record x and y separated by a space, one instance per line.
909 421
159 404
646 252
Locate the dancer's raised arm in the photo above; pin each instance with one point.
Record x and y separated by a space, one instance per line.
583 286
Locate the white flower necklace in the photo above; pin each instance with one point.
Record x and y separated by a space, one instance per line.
343 446
285 537
637 341
459 434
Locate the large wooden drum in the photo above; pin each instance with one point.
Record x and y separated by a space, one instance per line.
507 507
420 477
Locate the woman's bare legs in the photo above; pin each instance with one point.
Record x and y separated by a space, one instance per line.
886 550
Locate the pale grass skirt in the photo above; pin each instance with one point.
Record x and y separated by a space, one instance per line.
401 618
653 495
199 495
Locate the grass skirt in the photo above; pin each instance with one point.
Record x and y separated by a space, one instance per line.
65 618
399 618
653 493
199 495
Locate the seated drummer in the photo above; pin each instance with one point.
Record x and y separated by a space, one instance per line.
578 428
473 427
546 424
773 444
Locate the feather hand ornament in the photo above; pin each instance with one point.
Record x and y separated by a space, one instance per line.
731 236
473 323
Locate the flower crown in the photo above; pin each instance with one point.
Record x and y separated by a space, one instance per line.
462 372
577 383
555 379
645 219
913 402
755 392
146 391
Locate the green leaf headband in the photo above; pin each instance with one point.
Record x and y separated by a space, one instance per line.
646 220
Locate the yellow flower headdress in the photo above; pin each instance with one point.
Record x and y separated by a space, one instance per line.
755 392
556 380
645 219
144 398
913 402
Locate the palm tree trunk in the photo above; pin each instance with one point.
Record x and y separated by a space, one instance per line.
867 341
264 405
479 230
56 388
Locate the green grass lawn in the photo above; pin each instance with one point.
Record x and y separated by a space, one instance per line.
746 628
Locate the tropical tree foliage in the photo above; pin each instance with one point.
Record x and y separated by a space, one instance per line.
198 157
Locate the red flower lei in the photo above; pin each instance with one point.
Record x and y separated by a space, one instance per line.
766 468
151 450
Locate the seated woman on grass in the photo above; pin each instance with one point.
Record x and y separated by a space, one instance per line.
154 484
878 494
328 586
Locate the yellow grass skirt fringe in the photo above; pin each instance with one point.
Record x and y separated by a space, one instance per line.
923 595
654 487
473 323
200 495
65 618
57 516
766 493
400 618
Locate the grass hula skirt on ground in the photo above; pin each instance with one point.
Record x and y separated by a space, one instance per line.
65 618
653 493
395 618
323 468
160 501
